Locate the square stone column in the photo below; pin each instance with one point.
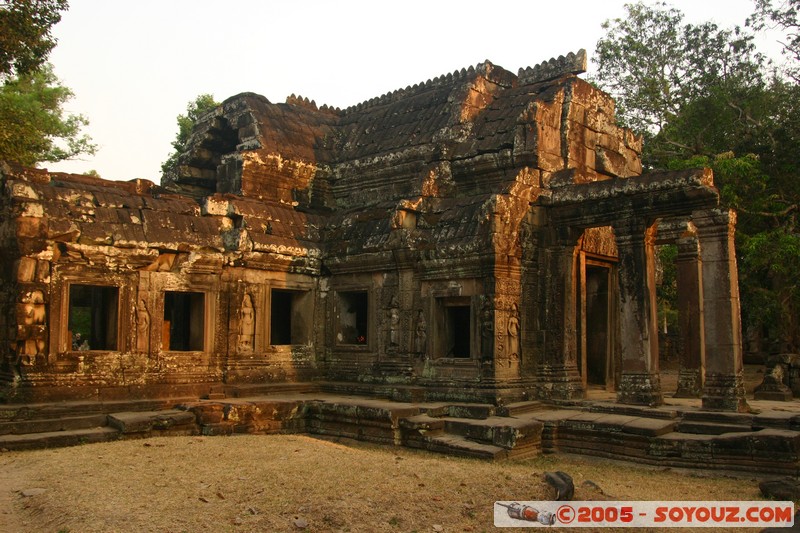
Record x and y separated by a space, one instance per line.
640 382
557 370
690 318
724 386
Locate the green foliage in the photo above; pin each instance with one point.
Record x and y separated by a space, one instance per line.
667 285
702 97
194 110
25 38
669 77
767 242
33 125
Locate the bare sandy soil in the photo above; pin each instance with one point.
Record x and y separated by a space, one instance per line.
296 483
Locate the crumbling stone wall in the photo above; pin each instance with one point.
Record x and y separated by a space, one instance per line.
156 257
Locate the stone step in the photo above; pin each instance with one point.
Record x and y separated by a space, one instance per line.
633 410
163 422
368 411
776 419
520 408
720 417
56 439
463 447
54 410
436 410
609 423
505 432
477 411
423 423
246 390
41 425
700 427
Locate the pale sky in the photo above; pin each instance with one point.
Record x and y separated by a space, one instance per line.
134 66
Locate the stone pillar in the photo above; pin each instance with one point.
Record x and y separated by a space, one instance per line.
557 372
640 382
690 318
724 387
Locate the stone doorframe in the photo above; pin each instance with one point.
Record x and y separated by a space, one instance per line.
633 207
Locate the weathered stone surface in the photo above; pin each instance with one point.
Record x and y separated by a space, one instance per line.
787 489
472 238
146 421
562 484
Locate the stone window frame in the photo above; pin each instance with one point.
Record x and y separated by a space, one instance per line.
204 326
61 343
308 292
439 303
172 283
370 327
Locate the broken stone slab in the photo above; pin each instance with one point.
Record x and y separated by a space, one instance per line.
422 422
786 489
649 427
27 493
774 385
139 422
562 483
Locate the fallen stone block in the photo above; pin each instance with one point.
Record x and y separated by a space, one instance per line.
562 483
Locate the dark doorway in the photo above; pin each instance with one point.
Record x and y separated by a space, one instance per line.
597 324
290 316
453 328
458 331
184 321
353 320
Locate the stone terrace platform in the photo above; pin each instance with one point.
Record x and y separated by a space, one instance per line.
677 434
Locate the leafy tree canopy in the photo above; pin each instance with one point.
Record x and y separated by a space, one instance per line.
33 125
668 77
194 110
25 38
704 97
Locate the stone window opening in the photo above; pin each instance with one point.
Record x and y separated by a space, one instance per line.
184 321
93 317
454 333
289 317
353 324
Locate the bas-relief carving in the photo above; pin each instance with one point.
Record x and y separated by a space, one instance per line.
142 328
487 329
34 309
513 333
34 313
247 327
420 333
394 323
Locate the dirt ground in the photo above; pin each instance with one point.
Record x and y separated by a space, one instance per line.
296 483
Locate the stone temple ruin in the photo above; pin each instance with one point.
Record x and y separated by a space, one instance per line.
481 237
